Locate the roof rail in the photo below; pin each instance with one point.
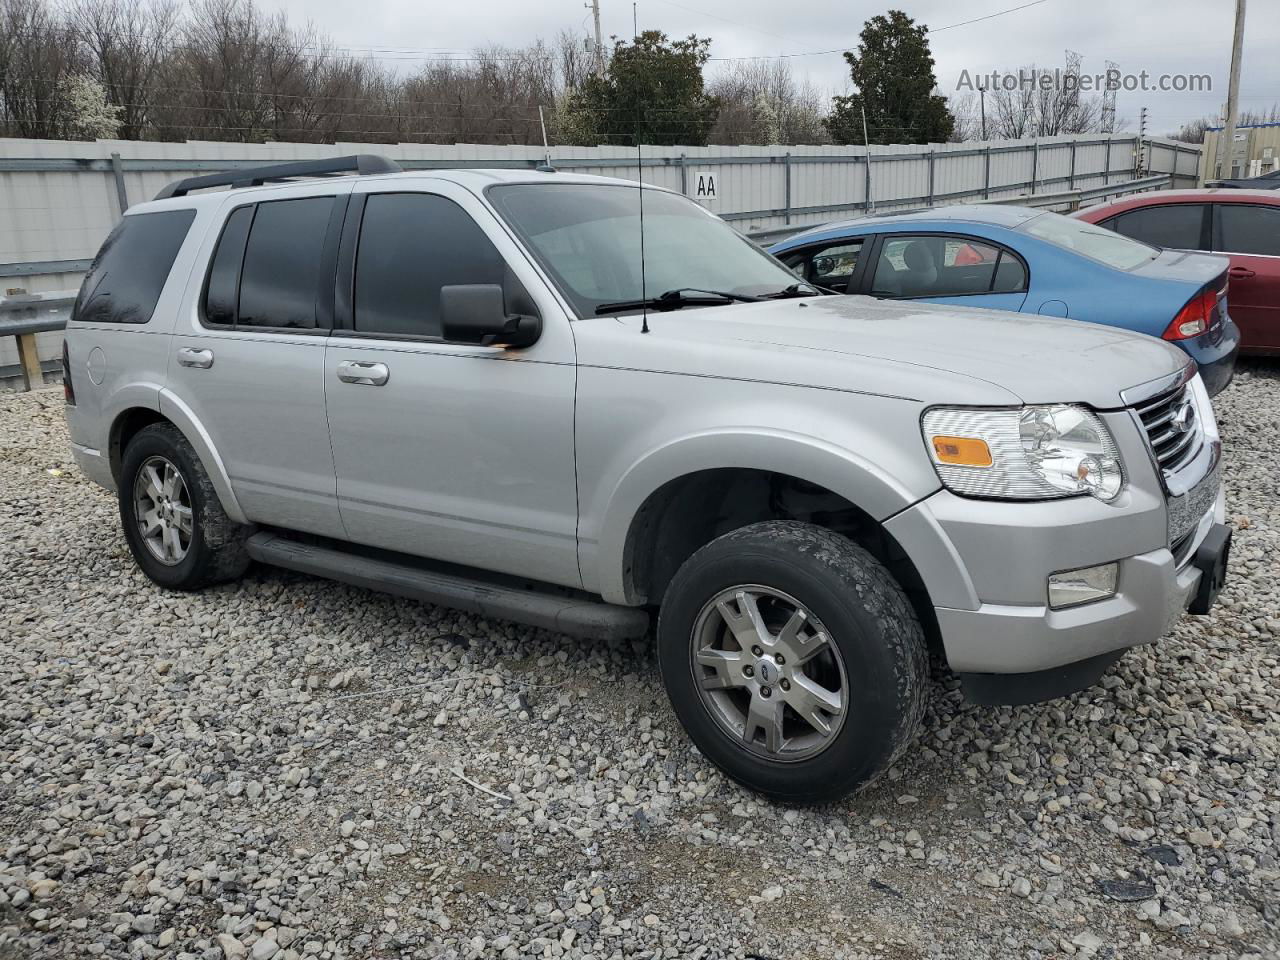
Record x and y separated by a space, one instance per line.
361 163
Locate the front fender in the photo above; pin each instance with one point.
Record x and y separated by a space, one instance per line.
185 420
859 477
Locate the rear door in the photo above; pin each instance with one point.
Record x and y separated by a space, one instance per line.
1250 235
451 451
945 268
247 359
1174 226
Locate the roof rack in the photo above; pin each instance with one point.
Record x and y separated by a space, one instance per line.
361 163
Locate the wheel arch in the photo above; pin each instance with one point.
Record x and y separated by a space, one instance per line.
126 424
658 518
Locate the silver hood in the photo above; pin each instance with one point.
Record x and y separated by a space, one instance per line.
912 350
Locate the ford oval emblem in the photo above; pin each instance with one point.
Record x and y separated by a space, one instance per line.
1182 419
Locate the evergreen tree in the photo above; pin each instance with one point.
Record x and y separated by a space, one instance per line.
892 73
653 93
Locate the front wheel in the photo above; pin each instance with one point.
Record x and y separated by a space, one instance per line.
793 659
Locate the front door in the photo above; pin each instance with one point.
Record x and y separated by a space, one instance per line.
247 360
1250 235
832 265
449 451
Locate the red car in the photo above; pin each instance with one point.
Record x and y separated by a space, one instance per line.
1243 224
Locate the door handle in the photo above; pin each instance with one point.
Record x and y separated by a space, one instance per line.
1241 273
191 357
369 374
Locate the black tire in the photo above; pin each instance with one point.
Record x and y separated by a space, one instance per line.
872 628
216 551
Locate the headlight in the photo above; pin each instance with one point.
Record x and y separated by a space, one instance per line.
1032 453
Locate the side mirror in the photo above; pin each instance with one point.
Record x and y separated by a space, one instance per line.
477 313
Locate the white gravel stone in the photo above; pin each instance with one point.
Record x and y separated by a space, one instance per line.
191 773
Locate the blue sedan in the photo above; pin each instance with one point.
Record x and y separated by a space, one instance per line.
1028 261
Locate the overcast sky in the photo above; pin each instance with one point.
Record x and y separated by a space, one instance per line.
1167 37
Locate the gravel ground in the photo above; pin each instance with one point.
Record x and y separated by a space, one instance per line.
289 768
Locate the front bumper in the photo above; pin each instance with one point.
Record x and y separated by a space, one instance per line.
989 565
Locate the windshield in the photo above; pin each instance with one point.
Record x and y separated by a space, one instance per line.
588 237
1093 241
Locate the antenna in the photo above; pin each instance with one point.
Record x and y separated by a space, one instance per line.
866 143
644 293
1109 97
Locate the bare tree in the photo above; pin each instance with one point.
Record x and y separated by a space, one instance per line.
1031 108
573 61
126 43
38 58
763 102
967 111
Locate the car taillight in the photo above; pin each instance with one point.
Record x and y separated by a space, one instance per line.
68 391
1194 318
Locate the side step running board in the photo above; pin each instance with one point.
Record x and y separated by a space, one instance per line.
581 618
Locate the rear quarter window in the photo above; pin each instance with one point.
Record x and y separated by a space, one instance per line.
126 278
1086 239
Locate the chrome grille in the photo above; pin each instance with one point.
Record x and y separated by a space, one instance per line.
1172 427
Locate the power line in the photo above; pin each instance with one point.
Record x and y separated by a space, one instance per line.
931 30
990 16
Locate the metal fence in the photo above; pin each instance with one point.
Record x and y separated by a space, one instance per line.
59 199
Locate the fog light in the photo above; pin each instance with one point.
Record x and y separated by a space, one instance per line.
1074 587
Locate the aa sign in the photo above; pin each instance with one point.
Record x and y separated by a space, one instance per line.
705 185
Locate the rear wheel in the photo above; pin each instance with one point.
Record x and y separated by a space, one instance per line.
173 521
793 659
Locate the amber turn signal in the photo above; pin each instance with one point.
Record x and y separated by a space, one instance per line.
962 451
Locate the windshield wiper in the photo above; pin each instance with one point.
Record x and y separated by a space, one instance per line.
797 290
675 299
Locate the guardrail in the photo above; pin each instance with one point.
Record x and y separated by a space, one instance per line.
1071 199
24 315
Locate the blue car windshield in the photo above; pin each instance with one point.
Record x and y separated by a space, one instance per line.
587 236
1097 243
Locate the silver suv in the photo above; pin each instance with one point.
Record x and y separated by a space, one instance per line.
573 403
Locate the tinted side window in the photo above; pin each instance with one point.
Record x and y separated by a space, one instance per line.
281 274
224 274
1174 225
1247 229
129 272
411 245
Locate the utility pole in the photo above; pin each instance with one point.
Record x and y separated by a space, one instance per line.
1227 144
595 14
982 106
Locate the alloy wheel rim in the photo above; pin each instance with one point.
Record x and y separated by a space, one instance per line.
769 673
162 509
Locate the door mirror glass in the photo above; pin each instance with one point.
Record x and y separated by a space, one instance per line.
476 313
